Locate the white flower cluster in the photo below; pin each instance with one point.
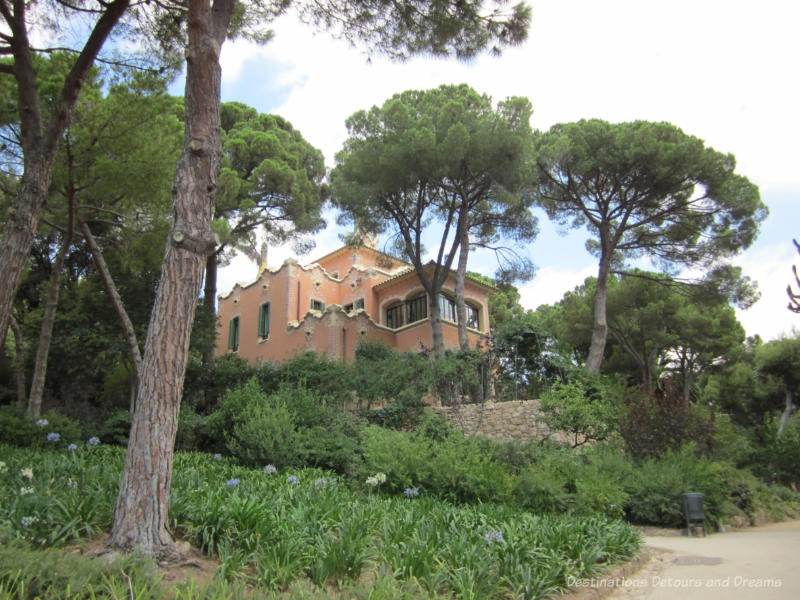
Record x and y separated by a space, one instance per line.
376 479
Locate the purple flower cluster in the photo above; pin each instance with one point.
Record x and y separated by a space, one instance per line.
494 536
293 480
53 437
411 492
93 441
233 482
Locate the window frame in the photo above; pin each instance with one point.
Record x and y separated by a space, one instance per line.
234 329
263 321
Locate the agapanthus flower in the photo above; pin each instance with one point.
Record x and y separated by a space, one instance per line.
270 469
217 456
232 482
321 483
376 479
293 480
494 536
53 437
42 422
28 521
72 447
411 492
27 473
94 441
24 491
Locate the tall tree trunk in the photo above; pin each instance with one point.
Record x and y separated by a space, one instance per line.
435 317
787 412
461 275
116 300
600 330
210 300
140 513
19 361
40 142
48 320
26 210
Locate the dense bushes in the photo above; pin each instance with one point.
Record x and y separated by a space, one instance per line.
53 428
547 478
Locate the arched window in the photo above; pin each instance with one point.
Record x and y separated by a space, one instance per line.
395 314
447 308
417 308
473 320
402 313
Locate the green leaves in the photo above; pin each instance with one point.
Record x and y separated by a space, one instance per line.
271 178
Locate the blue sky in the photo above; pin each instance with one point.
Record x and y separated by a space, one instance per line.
721 70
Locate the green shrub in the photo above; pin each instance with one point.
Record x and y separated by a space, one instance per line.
573 408
116 427
191 433
328 378
204 387
17 428
462 376
290 427
656 485
776 458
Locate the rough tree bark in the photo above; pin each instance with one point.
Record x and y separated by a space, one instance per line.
600 330
19 361
116 300
461 275
39 139
48 320
140 514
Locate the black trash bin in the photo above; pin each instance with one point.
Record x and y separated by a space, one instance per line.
694 513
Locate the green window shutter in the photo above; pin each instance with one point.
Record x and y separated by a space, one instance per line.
263 321
233 334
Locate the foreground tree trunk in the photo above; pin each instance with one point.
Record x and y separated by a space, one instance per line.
39 140
600 329
140 514
461 307
48 320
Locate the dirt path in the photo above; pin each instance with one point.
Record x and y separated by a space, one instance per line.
759 563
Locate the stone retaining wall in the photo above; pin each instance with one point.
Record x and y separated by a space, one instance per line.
501 421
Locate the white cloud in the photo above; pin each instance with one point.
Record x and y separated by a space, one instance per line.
771 267
550 285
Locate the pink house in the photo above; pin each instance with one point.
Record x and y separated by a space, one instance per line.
329 305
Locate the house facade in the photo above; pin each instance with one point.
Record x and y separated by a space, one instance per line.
328 306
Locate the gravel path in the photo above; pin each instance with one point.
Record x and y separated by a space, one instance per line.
758 563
